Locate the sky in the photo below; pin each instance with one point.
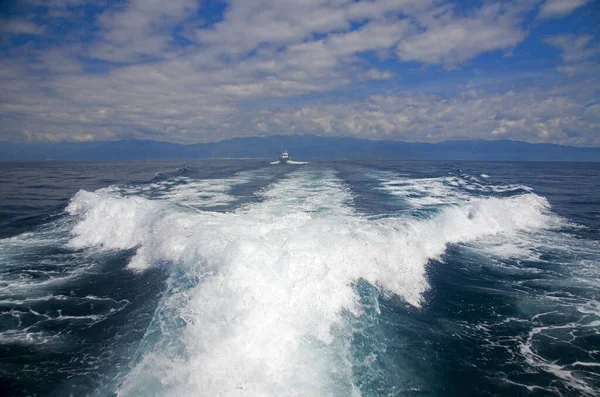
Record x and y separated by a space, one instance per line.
192 71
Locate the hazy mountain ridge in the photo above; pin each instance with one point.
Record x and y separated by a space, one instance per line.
301 147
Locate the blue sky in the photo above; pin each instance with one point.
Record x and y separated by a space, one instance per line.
197 71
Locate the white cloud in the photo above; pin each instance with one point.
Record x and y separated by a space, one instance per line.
449 39
579 53
259 70
371 37
375 74
248 24
167 101
140 28
20 26
574 48
581 69
534 116
559 8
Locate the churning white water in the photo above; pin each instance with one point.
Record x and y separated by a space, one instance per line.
274 281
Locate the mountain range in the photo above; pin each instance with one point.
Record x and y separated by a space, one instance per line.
301 147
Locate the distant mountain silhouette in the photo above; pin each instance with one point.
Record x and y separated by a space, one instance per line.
301 147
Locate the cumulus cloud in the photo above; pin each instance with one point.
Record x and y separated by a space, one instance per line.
157 70
531 115
138 29
248 24
172 104
449 39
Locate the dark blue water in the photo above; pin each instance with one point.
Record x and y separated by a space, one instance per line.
244 278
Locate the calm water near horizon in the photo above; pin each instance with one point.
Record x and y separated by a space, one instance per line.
245 278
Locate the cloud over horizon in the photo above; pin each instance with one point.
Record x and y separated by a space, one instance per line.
197 71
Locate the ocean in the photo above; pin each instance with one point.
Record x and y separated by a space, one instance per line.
246 278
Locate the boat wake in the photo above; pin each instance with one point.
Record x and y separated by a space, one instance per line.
289 162
336 280
297 162
269 299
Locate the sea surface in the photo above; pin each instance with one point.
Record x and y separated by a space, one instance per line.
246 278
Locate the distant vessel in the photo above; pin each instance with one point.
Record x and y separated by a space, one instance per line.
284 157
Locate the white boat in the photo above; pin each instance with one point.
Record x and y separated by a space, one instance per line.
284 157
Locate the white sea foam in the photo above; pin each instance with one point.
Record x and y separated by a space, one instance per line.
567 373
196 193
21 255
200 193
28 338
422 192
290 162
267 317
